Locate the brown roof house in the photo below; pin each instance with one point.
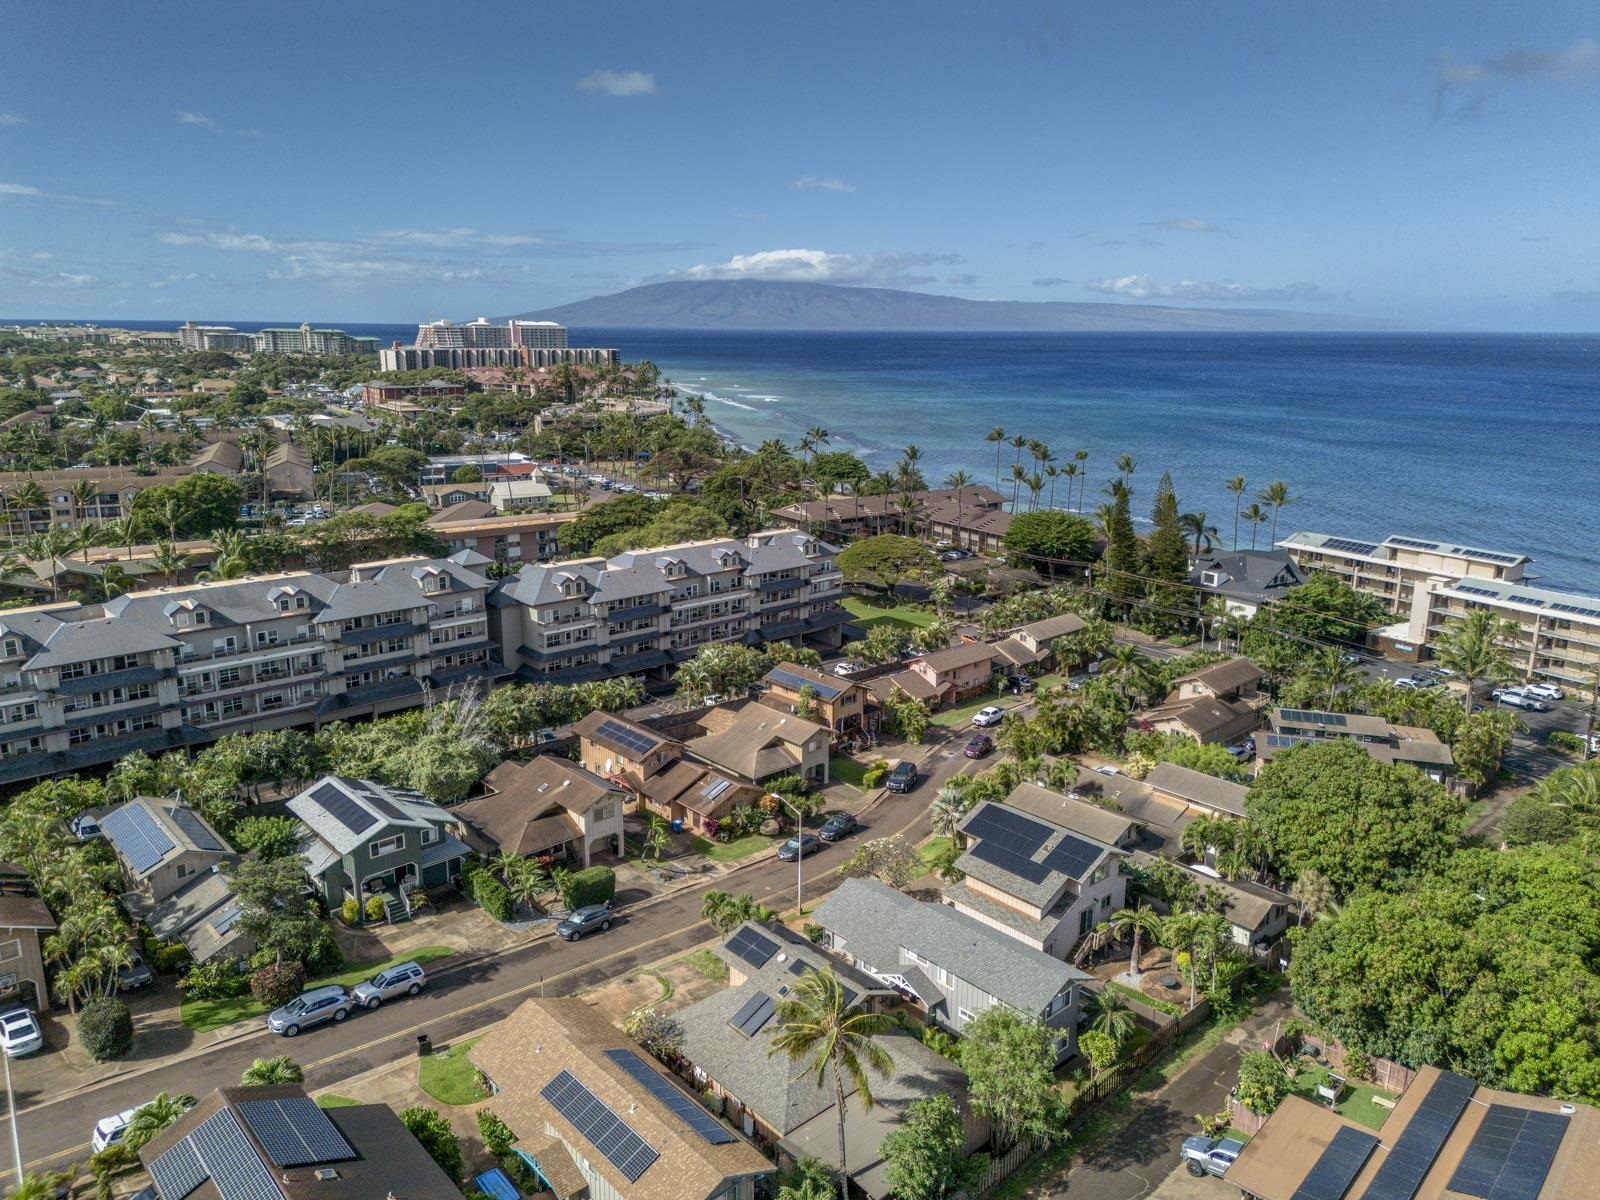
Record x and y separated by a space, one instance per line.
1214 704
275 1143
1258 914
761 742
695 794
944 676
623 751
24 922
595 1116
448 495
1407 745
1180 785
847 708
1031 649
548 807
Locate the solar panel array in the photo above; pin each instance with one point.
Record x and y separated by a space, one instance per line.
1020 834
1306 716
1009 861
1413 543
1337 1166
752 947
194 828
789 679
343 809
134 831
715 788
1524 598
1576 608
672 1098
1072 856
753 1014
599 1126
1476 591
633 740
1413 1153
178 1171
295 1132
216 1149
1009 840
225 920
1348 546
1282 741
1510 1154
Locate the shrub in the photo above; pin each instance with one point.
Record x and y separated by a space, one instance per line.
489 894
592 885
496 1134
105 1165
105 1027
874 775
166 958
325 957
436 1136
219 979
272 837
1357 1065
815 933
278 983
1563 742
350 911
1263 1083
940 1042
374 909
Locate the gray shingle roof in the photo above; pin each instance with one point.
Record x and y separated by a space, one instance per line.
103 637
390 808
1043 893
875 922
1198 788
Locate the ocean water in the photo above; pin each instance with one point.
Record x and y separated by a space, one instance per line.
1492 441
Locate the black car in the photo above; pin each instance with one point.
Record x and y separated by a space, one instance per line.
903 778
584 920
839 825
806 843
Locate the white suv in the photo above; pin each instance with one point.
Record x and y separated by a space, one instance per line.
1543 691
407 979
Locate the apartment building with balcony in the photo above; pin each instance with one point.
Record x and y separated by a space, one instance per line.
1399 570
114 489
82 685
645 610
1558 633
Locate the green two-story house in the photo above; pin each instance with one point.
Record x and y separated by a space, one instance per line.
362 839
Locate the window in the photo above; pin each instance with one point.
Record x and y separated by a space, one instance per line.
386 845
965 1015
266 637
184 870
430 835
13 647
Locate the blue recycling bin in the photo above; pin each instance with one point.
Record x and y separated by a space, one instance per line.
677 825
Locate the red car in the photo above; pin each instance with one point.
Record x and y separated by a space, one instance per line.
979 746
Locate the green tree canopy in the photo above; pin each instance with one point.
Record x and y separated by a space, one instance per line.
926 1155
886 560
1010 1064
205 502
619 515
1051 534
682 520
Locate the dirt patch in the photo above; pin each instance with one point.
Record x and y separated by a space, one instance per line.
666 986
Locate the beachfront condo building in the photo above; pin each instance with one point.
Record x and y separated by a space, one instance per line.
1558 633
303 339
462 358
646 610
1399 570
485 334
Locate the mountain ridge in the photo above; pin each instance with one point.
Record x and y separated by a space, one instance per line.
761 305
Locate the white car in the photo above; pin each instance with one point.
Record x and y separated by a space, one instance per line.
20 1033
847 667
84 827
986 717
1516 698
108 1131
1544 691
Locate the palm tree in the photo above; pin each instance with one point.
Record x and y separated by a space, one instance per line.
1018 476
997 435
818 436
84 493
1276 494
957 482
114 581
946 812
26 498
1109 1014
657 837
1474 648
266 1072
1194 524
1125 465
166 559
50 547
809 1179
1256 515
527 882
1018 441
1330 674
1139 923
830 1037
49 1184
1236 485
1052 472
1081 457
152 1118
119 531
1129 669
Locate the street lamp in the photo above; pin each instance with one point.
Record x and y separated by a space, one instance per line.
800 850
11 1112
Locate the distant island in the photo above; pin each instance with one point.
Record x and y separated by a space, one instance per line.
756 304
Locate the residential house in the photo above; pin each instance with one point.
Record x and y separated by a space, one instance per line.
596 1117
943 677
1409 745
972 516
276 1143
760 743
519 495
1160 821
1445 1137
1033 880
509 540
289 474
362 838
447 495
203 914
621 750
847 708
1246 580
1030 649
950 964
1257 914
727 1053
441 467
644 610
695 794
161 845
1181 785
1217 703
222 458
24 923
545 808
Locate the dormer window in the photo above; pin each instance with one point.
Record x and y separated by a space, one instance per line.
283 604
13 647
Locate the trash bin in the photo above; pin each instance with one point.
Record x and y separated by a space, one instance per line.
424 1046
677 825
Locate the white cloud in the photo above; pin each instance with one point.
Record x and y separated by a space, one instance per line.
30 192
200 120
175 277
1146 287
65 279
1462 86
619 83
18 189
826 184
819 266
41 256
7 118
1186 225
226 241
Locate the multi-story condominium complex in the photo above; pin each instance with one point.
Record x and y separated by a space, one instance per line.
1558 633
484 334
303 339
1399 570
424 358
214 337
113 490
82 685
647 609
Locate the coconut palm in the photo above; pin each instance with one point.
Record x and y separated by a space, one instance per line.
833 1040
1070 473
1081 457
1138 923
808 1179
1035 486
946 812
1109 1014
1128 669
49 547
1276 494
1236 485
84 493
1125 465
1019 476
267 1072
25 499
119 531
1331 675
1018 442
1475 649
167 560
150 1119
1204 535
957 482
46 1185
1052 473
997 435
527 881
1256 515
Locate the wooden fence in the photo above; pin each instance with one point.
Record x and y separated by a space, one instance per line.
1385 1073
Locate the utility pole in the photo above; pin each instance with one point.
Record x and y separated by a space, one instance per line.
11 1113
800 852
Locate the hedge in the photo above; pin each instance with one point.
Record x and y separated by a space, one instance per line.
592 885
105 1026
489 894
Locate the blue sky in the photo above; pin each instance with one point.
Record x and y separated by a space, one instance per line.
1433 164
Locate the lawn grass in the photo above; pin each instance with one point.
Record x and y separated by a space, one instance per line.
734 850
1162 1006
848 770
334 1101
928 853
202 1016
869 616
449 1078
707 963
964 713
1356 1102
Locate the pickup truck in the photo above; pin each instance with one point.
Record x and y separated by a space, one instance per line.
1209 1156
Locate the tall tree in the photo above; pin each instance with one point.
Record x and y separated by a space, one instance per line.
1256 516
1475 647
1237 486
997 435
1010 1063
1277 495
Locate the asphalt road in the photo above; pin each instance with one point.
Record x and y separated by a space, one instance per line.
465 998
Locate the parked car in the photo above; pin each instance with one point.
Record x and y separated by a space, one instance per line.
1205 1156
837 826
1422 680
979 746
903 778
135 975
20 1033
1408 683
108 1131
1349 659
313 1007
585 920
846 667
986 717
1516 698
406 979
1108 770
797 847
1543 691
84 827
